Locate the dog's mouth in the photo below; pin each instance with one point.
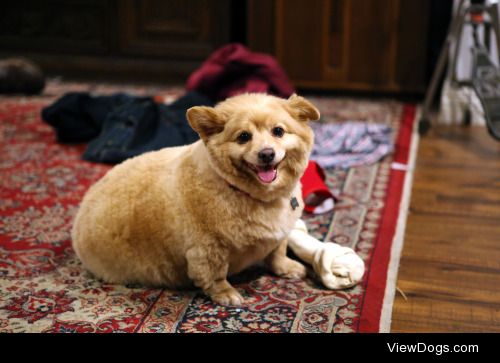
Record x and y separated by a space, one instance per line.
265 173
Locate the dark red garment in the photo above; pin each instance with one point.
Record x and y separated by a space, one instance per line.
313 182
234 69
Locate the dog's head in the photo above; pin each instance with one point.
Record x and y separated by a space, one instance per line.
256 142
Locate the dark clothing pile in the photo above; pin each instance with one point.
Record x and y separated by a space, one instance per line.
120 126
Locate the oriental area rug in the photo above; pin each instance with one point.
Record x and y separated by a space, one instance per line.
43 287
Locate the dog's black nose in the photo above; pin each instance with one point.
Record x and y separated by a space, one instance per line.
267 155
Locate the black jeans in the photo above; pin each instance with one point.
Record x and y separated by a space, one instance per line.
120 126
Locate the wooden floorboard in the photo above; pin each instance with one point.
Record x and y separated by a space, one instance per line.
450 266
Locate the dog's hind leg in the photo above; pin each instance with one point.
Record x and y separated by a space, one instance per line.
284 266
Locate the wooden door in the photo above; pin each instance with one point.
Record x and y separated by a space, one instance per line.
127 39
370 45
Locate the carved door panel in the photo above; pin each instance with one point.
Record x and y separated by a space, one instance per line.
185 29
69 26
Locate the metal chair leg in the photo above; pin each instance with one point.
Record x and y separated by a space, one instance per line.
452 38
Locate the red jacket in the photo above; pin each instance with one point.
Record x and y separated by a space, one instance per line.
234 69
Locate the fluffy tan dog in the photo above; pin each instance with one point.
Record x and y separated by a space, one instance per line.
201 212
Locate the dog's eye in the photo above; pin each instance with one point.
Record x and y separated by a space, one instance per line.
278 131
244 137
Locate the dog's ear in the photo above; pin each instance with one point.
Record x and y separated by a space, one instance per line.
302 109
205 121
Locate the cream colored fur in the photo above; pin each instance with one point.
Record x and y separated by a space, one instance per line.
198 213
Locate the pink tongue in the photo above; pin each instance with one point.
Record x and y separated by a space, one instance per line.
266 176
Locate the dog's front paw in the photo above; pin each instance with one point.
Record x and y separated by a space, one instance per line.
338 267
288 268
228 297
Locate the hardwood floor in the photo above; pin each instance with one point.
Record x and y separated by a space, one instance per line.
450 267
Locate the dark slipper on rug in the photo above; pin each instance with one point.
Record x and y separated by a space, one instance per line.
21 76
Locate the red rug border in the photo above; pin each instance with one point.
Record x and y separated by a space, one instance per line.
376 280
